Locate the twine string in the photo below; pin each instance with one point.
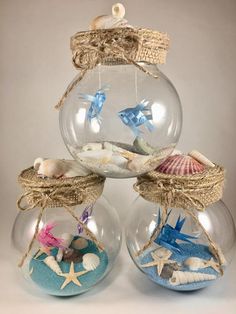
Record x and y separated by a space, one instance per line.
186 192
88 56
58 193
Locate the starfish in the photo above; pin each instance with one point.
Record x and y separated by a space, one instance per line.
211 263
72 276
159 259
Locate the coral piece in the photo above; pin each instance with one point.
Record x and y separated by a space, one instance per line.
47 239
180 165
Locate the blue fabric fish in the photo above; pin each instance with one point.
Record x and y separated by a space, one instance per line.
169 235
97 102
137 116
85 217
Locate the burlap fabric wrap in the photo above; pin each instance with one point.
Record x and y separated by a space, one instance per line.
49 193
116 46
190 192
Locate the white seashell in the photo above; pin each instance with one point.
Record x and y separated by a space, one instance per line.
194 263
201 158
180 165
108 21
97 156
53 265
138 163
67 239
79 243
92 146
118 10
90 261
38 161
162 253
57 168
185 277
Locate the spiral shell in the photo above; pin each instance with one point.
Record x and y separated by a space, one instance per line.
118 10
180 165
90 261
53 265
185 277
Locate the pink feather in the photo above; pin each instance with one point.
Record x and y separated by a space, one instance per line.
46 238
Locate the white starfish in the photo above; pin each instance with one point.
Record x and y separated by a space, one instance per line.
213 264
72 276
160 258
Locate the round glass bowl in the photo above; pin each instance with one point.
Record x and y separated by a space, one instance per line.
120 122
181 257
64 261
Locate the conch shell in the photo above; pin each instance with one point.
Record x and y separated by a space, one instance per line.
53 265
67 239
201 158
185 277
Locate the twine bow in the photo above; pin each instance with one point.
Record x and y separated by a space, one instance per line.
115 46
186 192
58 193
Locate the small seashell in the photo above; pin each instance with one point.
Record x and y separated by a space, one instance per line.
107 21
67 239
162 253
52 264
201 158
180 165
185 277
138 163
57 168
80 243
118 10
97 156
91 261
194 263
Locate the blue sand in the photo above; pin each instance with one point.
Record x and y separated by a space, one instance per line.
50 282
188 250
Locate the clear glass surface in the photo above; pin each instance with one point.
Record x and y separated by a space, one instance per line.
194 255
103 222
141 117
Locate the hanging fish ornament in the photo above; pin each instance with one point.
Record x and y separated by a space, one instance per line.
137 116
169 235
84 217
97 102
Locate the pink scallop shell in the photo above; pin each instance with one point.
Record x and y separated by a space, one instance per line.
180 165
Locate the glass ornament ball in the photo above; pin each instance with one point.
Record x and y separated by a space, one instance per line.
181 257
77 263
120 122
